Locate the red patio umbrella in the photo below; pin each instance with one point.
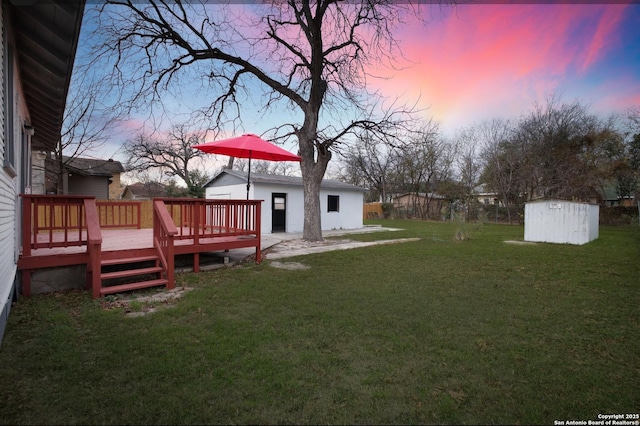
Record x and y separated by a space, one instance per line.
248 146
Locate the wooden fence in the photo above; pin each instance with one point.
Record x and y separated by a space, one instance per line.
119 214
372 211
145 211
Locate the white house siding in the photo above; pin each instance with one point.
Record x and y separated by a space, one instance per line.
349 216
11 183
8 195
563 222
229 192
294 215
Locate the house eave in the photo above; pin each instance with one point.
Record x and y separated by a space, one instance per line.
46 36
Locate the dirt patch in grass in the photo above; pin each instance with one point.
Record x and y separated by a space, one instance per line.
290 248
137 306
291 266
522 243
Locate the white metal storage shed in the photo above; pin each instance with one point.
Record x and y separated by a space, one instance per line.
341 204
563 222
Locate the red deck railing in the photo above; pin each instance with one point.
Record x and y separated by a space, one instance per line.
52 221
199 218
61 221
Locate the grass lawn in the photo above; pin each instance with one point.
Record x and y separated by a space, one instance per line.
434 331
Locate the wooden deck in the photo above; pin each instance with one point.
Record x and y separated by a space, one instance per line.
122 241
66 231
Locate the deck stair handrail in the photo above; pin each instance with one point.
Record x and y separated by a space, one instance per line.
164 232
197 218
94 246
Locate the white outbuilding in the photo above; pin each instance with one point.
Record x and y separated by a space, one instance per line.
563 222
341 204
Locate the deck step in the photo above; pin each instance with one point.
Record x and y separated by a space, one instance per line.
130 273
130 270
133 286
125 260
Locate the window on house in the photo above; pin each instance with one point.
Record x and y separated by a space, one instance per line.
279 203
9 137
333 203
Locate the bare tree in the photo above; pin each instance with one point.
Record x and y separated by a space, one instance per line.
568 151
501 161
424 163
310 58
87 125
174 154
468 162
282 168
558 150
369 163
627 169
633 116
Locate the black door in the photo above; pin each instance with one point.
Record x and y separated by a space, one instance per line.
278 212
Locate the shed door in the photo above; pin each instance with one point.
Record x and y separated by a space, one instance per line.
278 212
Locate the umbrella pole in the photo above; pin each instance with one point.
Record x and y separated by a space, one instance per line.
249 176
248 186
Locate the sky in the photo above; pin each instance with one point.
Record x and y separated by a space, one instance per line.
477 62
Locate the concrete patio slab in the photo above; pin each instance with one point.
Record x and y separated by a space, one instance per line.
281 245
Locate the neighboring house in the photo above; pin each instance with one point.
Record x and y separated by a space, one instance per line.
420 205
39 42
485 196
341 204
144 191
609 197
88 176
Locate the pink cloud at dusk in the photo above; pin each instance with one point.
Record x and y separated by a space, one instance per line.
604 36
485 61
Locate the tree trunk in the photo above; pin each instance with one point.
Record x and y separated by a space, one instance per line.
506 203
312 215
313 166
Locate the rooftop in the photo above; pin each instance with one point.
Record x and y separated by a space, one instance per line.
283 180
92 167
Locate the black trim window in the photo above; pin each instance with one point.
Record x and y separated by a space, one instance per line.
9 140
333 203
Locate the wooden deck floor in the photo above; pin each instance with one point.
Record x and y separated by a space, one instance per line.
125 239
112 240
